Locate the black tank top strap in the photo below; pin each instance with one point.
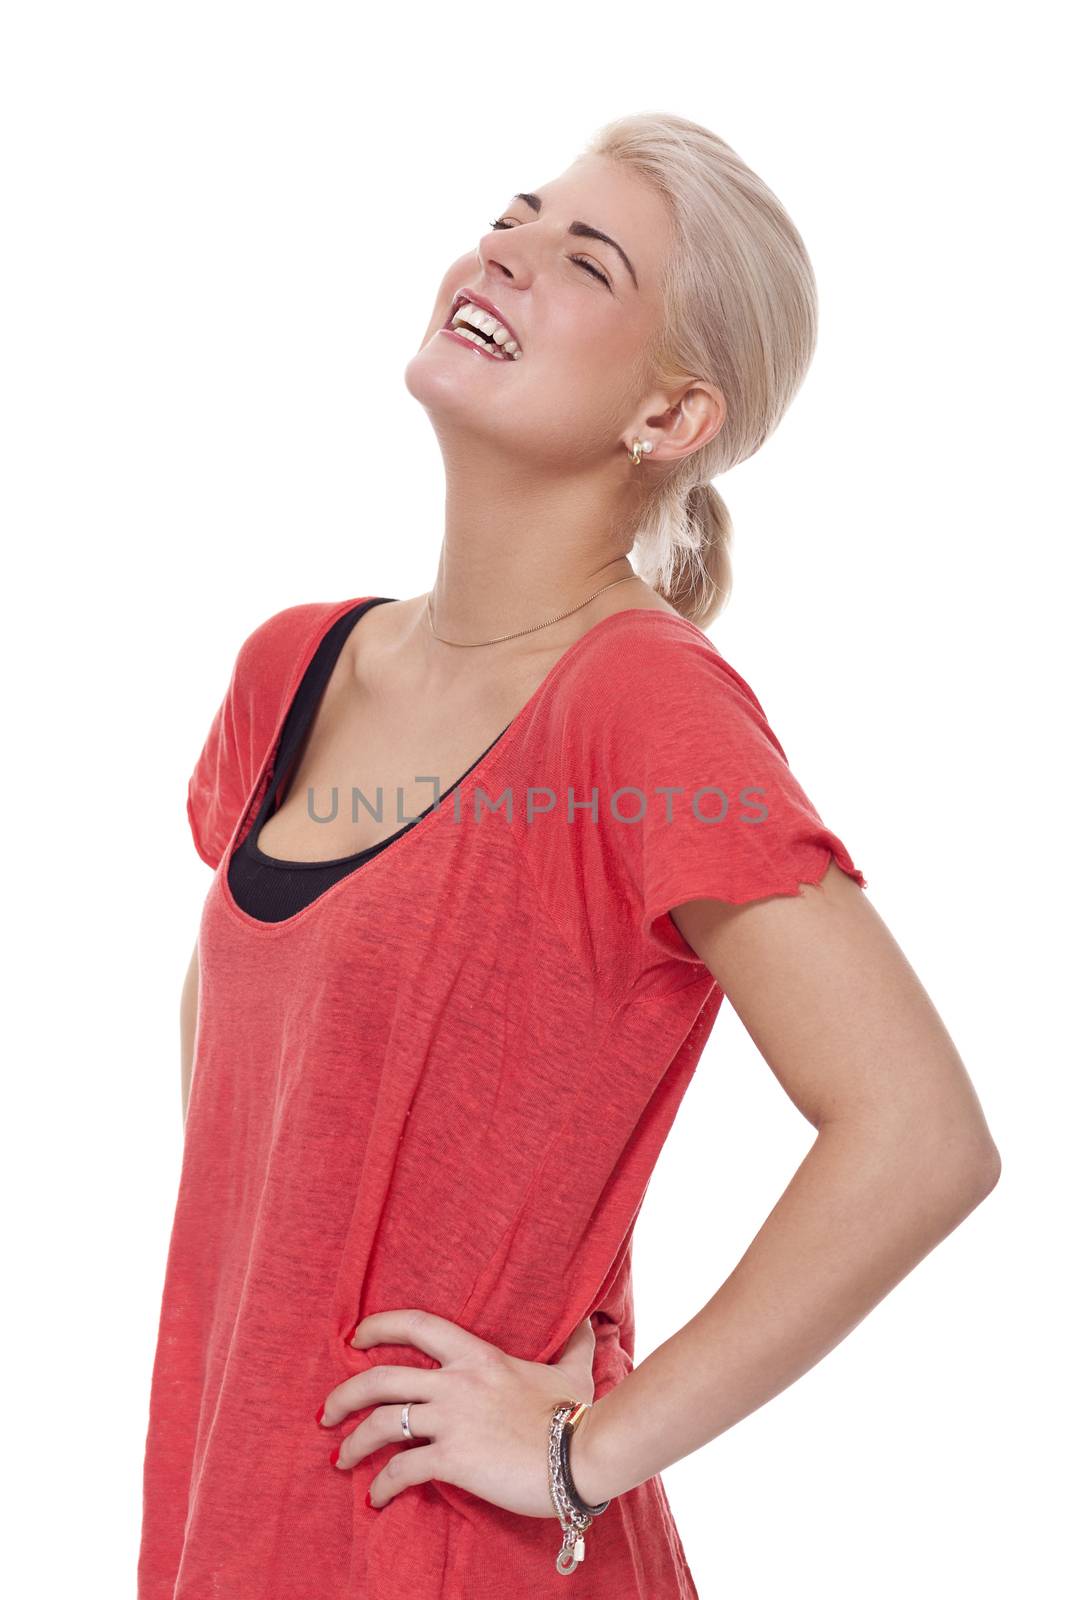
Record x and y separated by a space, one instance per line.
272 890
301 713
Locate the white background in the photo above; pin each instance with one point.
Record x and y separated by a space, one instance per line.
225 229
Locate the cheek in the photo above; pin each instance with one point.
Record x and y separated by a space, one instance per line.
592 379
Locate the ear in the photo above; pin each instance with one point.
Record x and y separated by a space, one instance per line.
680 420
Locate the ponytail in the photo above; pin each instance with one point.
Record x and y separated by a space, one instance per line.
683 550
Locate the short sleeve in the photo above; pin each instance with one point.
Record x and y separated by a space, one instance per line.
243 728
718 813
222 777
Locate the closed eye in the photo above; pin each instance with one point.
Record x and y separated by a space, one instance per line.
579 261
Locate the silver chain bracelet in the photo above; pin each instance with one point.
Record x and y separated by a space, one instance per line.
573 1522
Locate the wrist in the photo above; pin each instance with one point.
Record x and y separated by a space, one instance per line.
587 1467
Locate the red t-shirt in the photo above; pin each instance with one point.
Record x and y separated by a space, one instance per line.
444 1084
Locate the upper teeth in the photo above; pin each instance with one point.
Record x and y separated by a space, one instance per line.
493 330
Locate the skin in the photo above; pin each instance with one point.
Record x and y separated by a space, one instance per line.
539 494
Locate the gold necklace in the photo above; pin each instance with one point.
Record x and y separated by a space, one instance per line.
467 644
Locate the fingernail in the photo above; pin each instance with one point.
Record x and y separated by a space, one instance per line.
334 1453
369 1501
351 1334
320 1412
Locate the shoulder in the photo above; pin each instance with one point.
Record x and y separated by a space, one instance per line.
264 675
654 674
273 649
660 647
271 661
272 658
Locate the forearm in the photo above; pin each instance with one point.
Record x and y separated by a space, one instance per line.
860 1212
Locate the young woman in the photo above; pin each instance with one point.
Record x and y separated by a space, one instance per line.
441 1038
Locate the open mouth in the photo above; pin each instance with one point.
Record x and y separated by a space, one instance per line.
484 331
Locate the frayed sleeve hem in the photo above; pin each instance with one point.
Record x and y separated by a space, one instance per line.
789 880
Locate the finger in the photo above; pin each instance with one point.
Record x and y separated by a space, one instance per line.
576 1360
580 1344
439 1338
383 1426
376 1386
401 1471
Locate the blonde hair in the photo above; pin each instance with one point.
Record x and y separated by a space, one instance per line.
740 309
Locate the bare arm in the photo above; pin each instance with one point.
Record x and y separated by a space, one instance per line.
902 1155
189 1010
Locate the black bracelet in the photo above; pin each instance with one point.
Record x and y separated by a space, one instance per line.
568 1481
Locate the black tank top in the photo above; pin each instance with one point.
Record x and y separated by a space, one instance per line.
270 889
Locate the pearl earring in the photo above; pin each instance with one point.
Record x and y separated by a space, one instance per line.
640 450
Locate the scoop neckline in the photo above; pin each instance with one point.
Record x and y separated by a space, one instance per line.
355 858
419 825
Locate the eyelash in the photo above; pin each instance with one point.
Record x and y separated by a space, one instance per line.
581 261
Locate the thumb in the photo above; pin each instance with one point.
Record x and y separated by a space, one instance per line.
577 1353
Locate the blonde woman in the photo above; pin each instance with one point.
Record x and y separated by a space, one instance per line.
440 1037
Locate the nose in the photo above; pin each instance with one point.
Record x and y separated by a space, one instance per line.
503 257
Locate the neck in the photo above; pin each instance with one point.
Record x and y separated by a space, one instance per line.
522 544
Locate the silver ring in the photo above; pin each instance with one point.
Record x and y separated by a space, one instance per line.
404 1421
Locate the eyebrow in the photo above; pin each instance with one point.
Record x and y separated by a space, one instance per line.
585 230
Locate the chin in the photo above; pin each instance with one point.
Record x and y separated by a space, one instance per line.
446 400
442 376
427 378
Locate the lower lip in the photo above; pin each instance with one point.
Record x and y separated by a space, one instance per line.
468 344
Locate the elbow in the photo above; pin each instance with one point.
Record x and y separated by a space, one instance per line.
971 1174
949 1169
985 1173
